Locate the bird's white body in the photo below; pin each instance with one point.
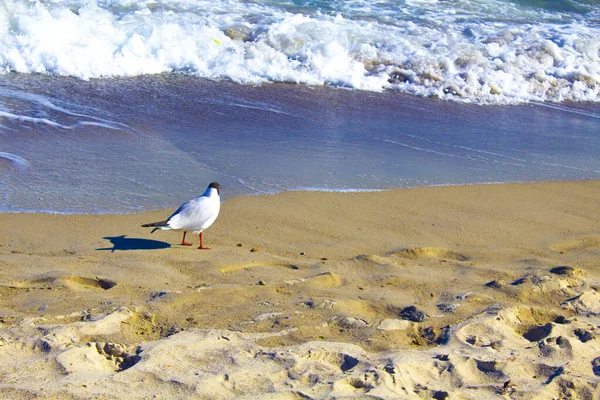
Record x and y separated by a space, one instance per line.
197 214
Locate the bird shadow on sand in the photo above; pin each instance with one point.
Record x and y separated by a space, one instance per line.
125 243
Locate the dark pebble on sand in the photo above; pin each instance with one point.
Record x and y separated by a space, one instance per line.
106 283
596 366
583 335
561 341
496 284
440 395
537 333
562 270
158 295
447 307
412 314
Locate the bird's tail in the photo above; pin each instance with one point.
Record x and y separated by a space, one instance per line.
156 225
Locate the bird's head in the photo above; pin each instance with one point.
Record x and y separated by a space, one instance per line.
215 185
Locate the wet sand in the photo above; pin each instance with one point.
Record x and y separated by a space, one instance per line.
484 291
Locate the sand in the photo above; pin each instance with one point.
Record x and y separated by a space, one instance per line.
470 292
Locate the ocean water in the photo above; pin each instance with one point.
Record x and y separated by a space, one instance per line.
477 51
125 106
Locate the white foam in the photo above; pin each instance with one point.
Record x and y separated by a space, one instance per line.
44 103
33 120
484 52
334 190
16 160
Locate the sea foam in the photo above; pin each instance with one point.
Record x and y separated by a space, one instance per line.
488 51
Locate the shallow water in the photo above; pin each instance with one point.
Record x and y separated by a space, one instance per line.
133 144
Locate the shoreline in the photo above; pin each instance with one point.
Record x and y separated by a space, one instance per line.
299 190
503 279
142 133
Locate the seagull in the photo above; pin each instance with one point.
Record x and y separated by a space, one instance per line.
195 215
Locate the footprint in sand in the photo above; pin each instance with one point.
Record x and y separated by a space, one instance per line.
538 332
234 268
97 358
587 302
585 243
344 362
417 253
65 281
322 280
557 281
519 324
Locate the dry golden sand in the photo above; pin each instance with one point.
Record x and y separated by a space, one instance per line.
93 306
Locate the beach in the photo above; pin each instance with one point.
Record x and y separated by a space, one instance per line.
454 292
409 199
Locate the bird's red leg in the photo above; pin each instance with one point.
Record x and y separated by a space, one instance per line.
201 247
183 242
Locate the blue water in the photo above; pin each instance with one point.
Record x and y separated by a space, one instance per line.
134 144
131 105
